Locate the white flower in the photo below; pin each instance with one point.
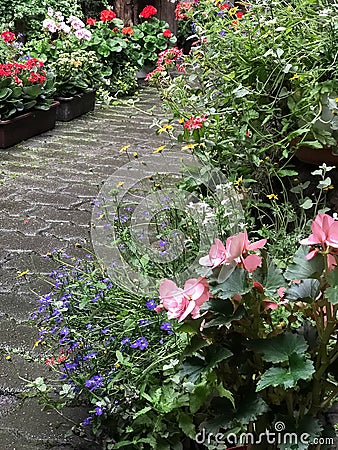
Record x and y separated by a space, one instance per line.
50 25
77 23
50 11
59 16
83 33
64 27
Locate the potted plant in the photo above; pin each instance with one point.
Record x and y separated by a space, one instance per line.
27 107
260 368
77 70
153 36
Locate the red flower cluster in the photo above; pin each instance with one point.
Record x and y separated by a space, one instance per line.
107 15
127 30
195 122
148 11
35 77
168 58
15 69
8 36
91 21
167 33
181 10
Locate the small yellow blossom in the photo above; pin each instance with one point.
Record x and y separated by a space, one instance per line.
22 274
182 120
189 146
8 357
272 197
119 184
124 148
165 127
328 187
159 149
135 155
117 365
239 181
76 63
294 77
36 343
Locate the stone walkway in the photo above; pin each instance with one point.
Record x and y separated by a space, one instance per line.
47 184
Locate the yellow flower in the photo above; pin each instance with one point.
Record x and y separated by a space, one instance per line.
189 146
328 187
135 155
124 149
239 181
294 77
272 197
8 357
159 149
36 343
117 365
119 184
76 63
22 274
165 127
182 120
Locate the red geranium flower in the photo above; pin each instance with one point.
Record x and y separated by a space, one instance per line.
8 36
91 21
148 11
167 33
50 361
107 15
127 30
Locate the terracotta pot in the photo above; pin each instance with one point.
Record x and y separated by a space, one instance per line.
75 106
27 125
317 156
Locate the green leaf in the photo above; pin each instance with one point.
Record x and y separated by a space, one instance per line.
307 425
300 369
191 369
307 291
332 291
235 284
307 203
215 354
225 393
274 279
199 396
280 348
196 343
301 268
250 409
185 422
287 173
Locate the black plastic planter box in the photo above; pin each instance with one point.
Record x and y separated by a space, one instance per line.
72 107
25 126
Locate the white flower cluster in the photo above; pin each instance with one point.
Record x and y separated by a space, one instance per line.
72 25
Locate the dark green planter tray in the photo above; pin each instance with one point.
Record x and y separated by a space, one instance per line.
25 126
75 106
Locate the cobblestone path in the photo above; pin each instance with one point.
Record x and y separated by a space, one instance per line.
46 185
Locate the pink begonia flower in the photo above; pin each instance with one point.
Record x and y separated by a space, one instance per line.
216 257
324 232
236 250
268 304
181 302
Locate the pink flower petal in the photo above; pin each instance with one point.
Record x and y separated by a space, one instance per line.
257 245
311 254
332 238
235 246
251 262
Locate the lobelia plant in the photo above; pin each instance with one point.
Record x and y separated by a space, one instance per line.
263 352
